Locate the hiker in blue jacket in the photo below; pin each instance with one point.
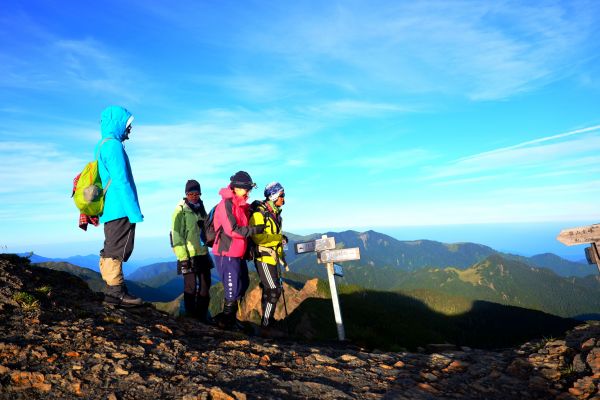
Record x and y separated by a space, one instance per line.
121 207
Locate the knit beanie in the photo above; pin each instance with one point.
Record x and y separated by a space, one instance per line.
242 180
273 190
192 186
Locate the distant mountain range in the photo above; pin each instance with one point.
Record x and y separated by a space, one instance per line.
470 271
90 261
385 253
95 282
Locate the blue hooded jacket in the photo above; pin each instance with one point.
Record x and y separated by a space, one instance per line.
121 196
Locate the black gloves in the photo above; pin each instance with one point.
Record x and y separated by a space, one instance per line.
256 229
184 267
284 239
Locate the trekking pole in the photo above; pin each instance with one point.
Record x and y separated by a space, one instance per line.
287 324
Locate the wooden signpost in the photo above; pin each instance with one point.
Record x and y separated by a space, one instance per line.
582 235
329 255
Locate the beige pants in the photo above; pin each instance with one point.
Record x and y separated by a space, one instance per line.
112 271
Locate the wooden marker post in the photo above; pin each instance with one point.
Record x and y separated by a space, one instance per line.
582 235
327 254
329 257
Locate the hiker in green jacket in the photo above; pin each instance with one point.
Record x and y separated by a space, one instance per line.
193 260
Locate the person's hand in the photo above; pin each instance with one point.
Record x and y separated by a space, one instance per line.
184 266
256 229
284 239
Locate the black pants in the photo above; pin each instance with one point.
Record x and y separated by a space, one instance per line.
197 283
118 239
271 290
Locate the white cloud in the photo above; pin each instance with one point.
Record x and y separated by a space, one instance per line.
552 152
482 50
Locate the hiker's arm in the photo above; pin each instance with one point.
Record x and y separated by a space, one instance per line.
116 165
265 238
178 241
231 227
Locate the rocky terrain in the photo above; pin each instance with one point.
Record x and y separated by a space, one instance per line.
58 341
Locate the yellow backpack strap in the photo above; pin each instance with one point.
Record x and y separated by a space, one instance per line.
97 157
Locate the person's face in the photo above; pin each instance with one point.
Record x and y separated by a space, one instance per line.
280 200
240 192
193 197
127 132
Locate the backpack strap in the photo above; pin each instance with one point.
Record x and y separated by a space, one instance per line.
97 158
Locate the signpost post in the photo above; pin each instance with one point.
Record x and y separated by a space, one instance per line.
327 254
582 235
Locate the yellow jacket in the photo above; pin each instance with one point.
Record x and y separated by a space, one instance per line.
269 214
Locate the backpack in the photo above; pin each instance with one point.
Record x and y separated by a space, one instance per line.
88 194
208 231
252 251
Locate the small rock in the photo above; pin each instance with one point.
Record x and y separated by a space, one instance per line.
121 371
456 366
4 370
399 364
588 344
317 358
579 364
239 395
72 354
519 368
428 376
218 394
347 358
119 356
112 396
550 374
539 383
593 360
264 361
428 388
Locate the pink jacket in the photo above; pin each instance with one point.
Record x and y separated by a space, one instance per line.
232 216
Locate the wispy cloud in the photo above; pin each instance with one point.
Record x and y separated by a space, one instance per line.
482 50
392 160
353 108
45 61
551 152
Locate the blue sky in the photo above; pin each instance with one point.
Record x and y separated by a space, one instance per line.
372 114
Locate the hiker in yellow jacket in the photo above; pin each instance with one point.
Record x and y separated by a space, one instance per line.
270 248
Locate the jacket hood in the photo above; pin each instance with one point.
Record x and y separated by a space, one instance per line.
114 121
227 193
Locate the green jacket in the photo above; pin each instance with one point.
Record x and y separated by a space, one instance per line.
185 233
272 236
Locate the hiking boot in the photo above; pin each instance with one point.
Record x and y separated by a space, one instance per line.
270 332
119 296
227 320
202 303
272 328
189 303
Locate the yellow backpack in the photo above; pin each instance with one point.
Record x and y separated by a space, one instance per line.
88 194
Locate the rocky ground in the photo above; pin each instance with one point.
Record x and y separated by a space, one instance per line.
58 341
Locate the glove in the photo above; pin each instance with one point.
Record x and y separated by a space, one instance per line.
184 267
256 229
284 239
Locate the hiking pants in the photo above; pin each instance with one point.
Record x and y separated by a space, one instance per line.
271 289
233 272
118 239
197 283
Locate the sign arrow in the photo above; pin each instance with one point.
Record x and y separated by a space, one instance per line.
580 235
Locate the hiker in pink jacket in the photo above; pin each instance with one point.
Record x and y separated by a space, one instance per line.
232 235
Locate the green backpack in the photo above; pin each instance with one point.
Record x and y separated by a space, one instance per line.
88 194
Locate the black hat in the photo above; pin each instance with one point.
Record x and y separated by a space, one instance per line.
192 186
242 180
